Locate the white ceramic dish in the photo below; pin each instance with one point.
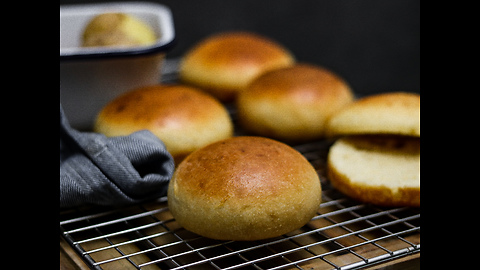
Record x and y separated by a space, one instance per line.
91 77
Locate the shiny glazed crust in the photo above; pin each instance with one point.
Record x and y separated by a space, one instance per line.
389 113
244 188
292 103
225 63
184 118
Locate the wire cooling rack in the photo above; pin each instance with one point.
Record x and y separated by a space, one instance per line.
344 234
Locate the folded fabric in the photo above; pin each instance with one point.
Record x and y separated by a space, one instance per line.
98 170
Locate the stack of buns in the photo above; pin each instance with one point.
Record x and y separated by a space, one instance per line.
250 188
223 64
274 96
376 158
241 188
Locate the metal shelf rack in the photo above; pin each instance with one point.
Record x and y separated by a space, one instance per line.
345 234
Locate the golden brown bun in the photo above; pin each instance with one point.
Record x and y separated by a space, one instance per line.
117 29
292 103
184 118
390 113
377 169
244 188
225 63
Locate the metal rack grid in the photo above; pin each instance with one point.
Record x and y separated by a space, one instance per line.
345 234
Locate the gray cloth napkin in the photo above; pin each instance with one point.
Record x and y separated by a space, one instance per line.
98 170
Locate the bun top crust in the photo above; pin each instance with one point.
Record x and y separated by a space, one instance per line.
184 118
244 188
236 51
229 61
161 106
301 83
395 113
245 169
292 103
117 29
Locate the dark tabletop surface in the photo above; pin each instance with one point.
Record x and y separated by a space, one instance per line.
373 44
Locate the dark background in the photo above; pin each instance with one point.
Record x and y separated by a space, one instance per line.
373 44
